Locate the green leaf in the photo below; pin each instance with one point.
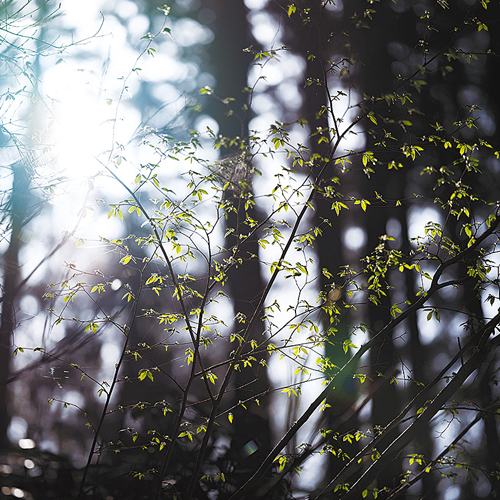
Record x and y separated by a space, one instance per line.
125 260
143 373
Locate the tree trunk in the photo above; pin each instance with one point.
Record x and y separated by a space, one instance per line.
18 206
245 285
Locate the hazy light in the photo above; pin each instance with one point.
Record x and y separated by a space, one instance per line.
345 114
78 131
126 9
205 121
18 428
18 493
452 493
189 32
29 464
419 217
110 352
29 305
255 4
26 444
74 398
429 330
354 238
289 94
89 111
137 26
336 6
265 29
116 284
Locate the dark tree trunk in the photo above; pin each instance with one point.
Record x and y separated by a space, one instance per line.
230 65
18 207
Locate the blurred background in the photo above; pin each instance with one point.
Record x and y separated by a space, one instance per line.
85 87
